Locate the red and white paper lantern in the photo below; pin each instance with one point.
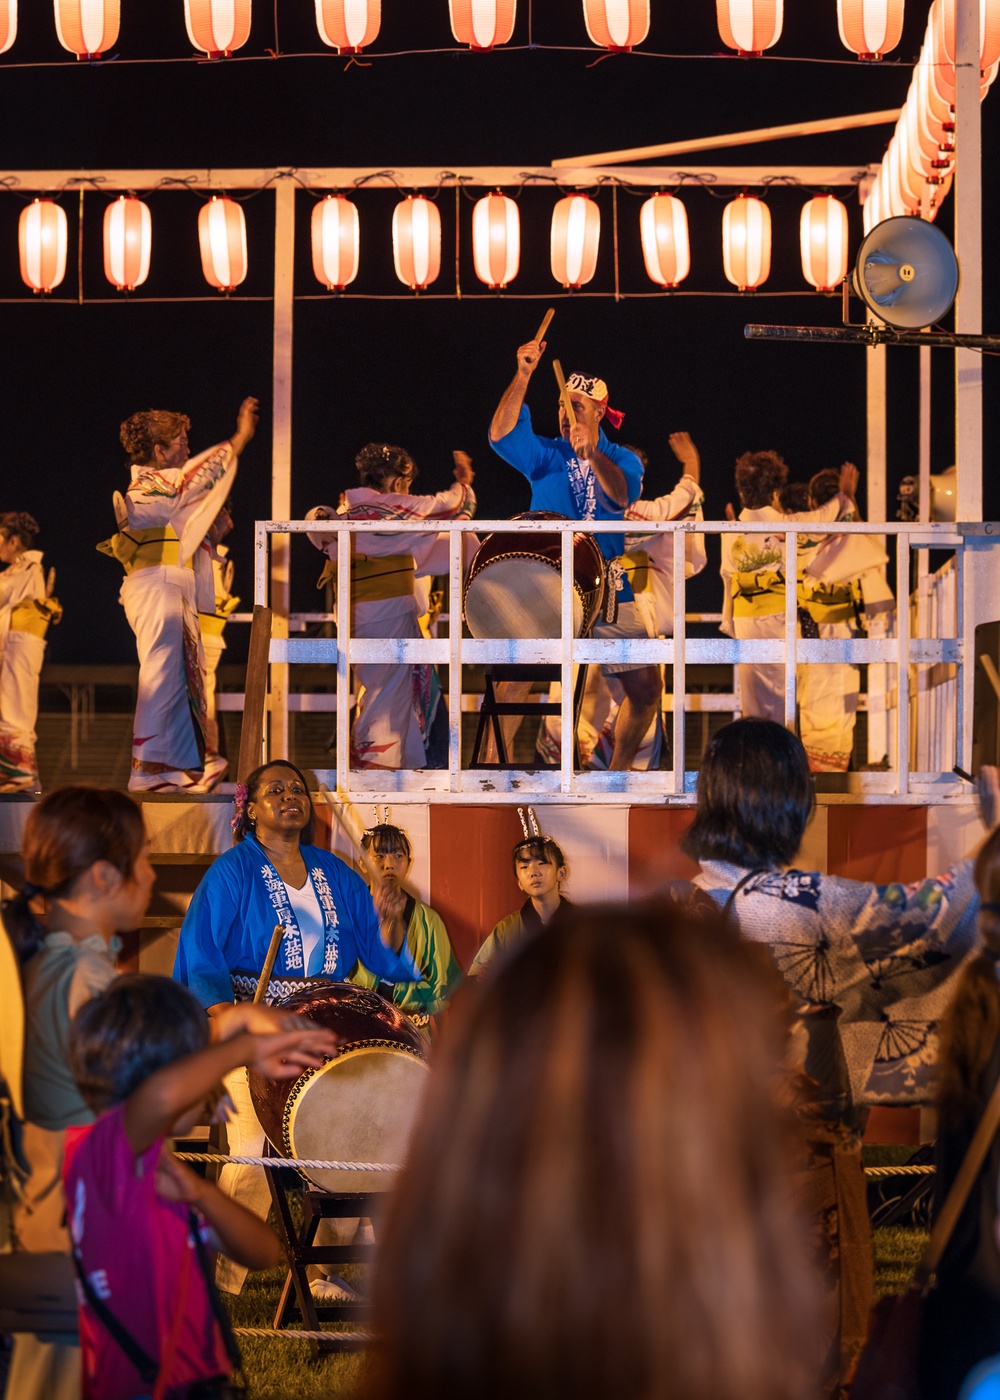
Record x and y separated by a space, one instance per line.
870 28
616 24
750 26
42 237
88 28
222 234
496 239
746 242
666 251
218 27
482 24
128 236
336 242
8 24
575 239
823 242
416 242
348 25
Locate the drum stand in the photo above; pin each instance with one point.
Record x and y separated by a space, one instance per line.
296 1304
493 709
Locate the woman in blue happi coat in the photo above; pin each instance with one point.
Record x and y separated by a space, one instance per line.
275 875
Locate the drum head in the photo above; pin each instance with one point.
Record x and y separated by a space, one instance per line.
359 1107
518 598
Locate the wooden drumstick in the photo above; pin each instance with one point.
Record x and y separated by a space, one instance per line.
269 961
561 381
545 324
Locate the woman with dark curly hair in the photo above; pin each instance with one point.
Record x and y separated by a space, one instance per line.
753 571
163 519
388 574
25 614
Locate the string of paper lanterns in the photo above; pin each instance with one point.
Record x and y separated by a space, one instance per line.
416 241
870 28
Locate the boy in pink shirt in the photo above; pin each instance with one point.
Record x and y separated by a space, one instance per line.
141 1056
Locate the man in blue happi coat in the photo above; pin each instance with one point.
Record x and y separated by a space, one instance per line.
583 475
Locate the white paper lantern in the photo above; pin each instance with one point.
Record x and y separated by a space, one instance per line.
746 242
575 239
8 24
217 27
750 26
496 239
88 28
666 251
128 237
482 24
336 241
416 242
870 28
42 236
222 234
348 25
616 24
823 241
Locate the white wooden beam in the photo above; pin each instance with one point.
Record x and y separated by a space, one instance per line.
281 451
420 177
734 138
969 250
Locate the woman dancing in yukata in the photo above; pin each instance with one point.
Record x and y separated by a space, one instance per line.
162 520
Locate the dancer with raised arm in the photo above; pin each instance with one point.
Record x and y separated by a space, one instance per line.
163 520
584 476
26 609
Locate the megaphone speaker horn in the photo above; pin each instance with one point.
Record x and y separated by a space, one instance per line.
906 273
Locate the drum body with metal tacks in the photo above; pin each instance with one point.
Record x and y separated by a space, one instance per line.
514 588
360 1105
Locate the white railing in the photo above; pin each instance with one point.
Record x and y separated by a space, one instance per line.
929 700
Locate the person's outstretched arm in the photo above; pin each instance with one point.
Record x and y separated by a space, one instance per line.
509 408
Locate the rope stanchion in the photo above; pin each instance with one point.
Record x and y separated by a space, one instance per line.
291 1335
903 1170
305 1163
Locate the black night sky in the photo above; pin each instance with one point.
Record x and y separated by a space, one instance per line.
422 371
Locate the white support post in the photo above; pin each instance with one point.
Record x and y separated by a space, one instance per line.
969 249
568 725
281 450
791 623
902 664
344 542
923 697
680 670
875 476
456 542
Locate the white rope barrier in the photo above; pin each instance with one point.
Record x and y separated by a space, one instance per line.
305 1163
903 1170
291 1335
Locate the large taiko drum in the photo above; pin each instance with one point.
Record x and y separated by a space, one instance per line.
360 1105
514 584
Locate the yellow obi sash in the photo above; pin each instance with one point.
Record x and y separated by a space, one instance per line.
374 580
34 615
758 594
213 624
142 549
635 566
827 602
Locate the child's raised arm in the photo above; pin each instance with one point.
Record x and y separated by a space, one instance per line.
153 1108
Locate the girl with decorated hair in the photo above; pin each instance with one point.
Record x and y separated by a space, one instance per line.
26 609
421 929
390 578
540 870
163 520
275 874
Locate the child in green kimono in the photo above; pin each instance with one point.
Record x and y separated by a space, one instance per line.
419 926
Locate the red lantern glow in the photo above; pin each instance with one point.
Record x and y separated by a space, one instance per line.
128 234
746 242
88 28
575 238
8 24
616 24
750 26
217 27
823 241
496 240
348 25
663 227
416 242
482 24
336 242
870 28
42 241
222 234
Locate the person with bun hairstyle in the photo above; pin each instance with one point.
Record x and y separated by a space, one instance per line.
163 520
26 609
390 576
87 879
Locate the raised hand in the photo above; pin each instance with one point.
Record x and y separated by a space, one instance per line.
528 356
849 476
389 899
258 1019
175 1181
463 468
686 453
583 440
282 1056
